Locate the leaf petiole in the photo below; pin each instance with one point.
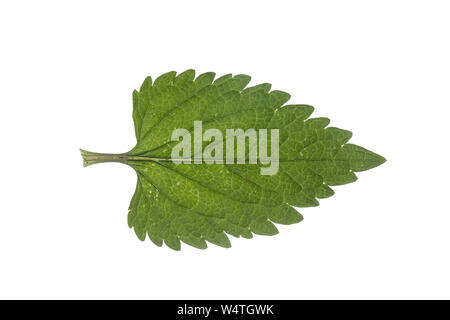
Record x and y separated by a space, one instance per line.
94 157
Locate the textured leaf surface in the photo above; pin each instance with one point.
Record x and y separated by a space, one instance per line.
205 202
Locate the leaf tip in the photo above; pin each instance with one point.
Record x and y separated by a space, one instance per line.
379 160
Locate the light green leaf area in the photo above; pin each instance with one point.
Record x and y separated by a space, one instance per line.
200 203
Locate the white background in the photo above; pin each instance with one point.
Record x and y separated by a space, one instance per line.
378 68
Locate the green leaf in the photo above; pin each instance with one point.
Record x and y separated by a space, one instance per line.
195 203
